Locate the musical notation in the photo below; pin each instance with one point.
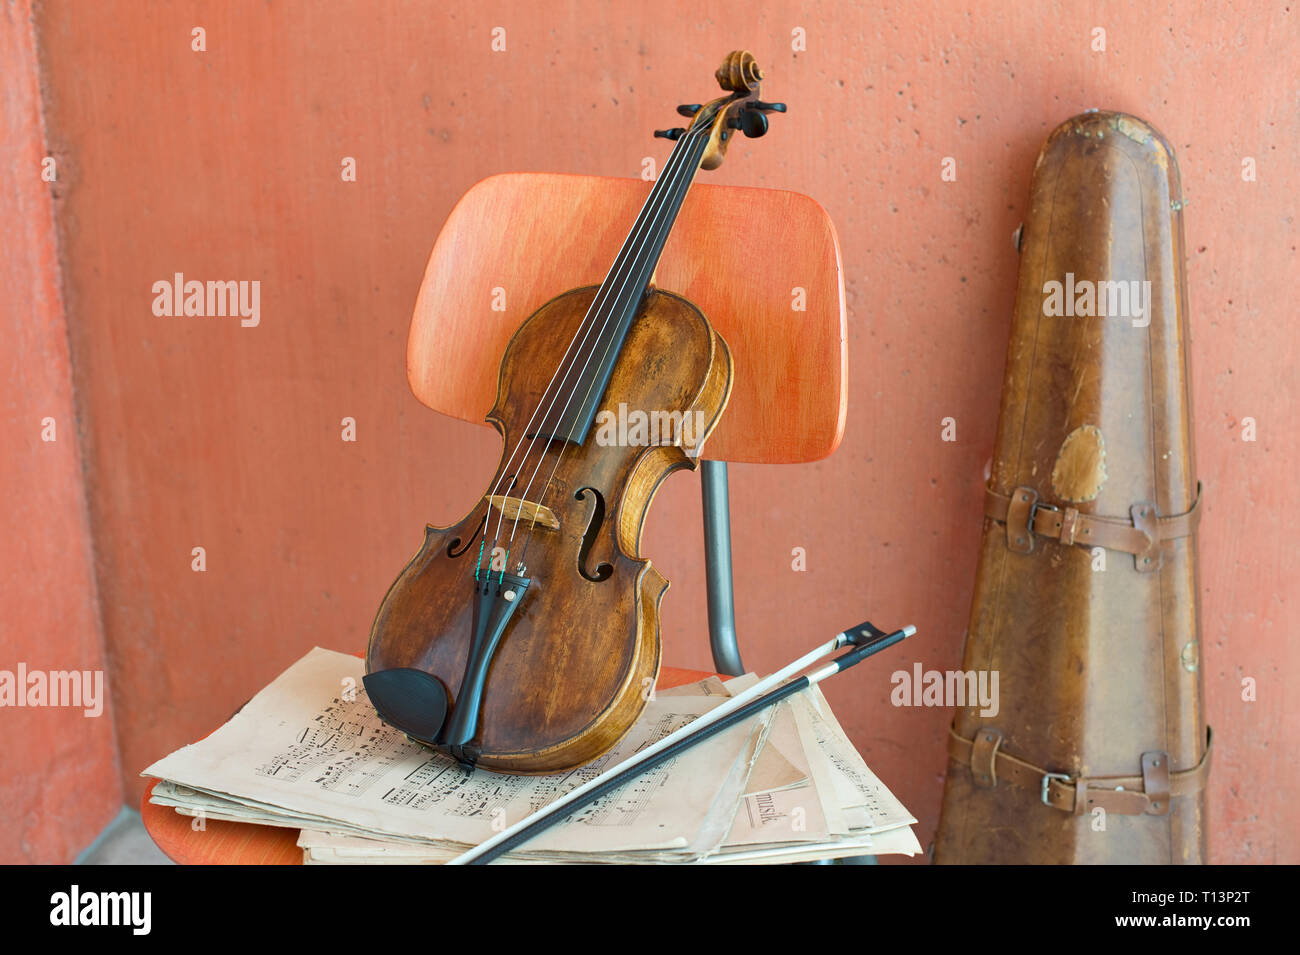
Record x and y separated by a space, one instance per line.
344 750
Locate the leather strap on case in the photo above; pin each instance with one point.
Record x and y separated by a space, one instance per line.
1147 794
1140 534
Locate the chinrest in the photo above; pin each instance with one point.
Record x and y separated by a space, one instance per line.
410 700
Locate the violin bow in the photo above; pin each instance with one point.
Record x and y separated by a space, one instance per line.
865 639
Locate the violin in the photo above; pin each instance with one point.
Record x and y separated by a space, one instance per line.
525 637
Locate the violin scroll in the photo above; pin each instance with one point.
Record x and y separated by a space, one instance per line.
740 110
739 73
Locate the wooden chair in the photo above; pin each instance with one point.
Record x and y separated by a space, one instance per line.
763 266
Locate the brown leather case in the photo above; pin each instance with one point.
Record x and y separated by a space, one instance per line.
1086 593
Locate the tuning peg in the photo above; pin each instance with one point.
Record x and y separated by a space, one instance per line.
750 122
767 107
674 133
688 109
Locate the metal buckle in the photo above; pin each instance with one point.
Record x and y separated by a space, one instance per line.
1048 777
1039 506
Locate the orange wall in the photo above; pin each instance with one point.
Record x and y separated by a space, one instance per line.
59 778
225 165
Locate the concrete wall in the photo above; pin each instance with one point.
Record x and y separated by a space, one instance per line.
60 782
225 164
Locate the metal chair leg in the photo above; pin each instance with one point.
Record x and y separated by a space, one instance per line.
717 568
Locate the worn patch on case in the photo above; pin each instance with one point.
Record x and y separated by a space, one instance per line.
1080 468
1132 128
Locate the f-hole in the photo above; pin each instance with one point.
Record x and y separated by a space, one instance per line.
589 536
463 546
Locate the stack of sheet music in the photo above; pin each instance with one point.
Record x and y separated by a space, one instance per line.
309 753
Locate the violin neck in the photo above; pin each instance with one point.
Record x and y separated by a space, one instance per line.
583 386
640 253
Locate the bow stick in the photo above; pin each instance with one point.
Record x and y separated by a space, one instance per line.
865 640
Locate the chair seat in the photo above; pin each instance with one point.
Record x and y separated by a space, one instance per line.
242 843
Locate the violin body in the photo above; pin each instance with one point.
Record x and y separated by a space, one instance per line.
575 663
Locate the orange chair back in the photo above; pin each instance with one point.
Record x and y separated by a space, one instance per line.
763 266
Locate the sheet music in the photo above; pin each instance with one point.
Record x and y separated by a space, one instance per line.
836 765
709 686
311 743
782 804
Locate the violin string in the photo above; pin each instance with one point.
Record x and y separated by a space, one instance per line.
612 290
687 171
690 169
592 312
646 217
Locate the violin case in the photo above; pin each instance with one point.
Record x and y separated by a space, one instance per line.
1086 590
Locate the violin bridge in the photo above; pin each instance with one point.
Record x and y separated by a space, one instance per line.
513 507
